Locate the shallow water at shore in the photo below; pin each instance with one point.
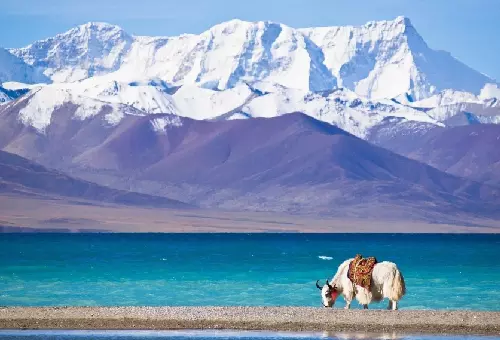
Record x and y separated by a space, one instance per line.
219 335
441 271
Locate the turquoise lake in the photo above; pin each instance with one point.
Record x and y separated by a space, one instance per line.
441 271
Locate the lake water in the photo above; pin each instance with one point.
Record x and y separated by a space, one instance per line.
214 335
441 271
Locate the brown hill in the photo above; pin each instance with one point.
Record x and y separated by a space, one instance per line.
292 163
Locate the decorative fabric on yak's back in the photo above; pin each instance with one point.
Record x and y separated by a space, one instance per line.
360 271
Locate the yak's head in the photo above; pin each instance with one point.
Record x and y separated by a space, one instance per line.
328 294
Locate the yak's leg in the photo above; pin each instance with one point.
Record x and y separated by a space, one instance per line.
390 305
365 306
348 296
394 305
347 304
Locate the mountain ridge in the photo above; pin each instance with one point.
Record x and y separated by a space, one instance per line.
362 58
13 68
296 165
468 151
260 115
21 177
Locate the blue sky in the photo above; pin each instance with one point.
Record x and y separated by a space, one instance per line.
469 29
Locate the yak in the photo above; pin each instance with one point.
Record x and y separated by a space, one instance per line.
386 282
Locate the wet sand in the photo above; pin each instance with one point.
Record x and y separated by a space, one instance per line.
252 318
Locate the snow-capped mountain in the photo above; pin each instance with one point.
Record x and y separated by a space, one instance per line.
15 69
490 91
388 58
38 107
340 107
132 111
82 52
446 97
378 60
377 76
218 58
460 108
6 95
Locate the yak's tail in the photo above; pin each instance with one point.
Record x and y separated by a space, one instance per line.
398 286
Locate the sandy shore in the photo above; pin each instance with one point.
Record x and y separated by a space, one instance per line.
252 318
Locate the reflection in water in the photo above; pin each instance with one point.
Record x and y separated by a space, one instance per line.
363 336
216 334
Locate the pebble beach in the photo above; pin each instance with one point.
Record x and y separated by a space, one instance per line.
252 318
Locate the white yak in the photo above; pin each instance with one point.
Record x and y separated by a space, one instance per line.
387 282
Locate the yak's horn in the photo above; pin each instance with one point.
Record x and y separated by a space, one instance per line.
328 284
317 285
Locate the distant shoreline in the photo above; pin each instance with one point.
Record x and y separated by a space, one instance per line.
427 229
302 319
32 215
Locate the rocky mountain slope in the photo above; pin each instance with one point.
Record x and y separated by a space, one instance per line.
21 177
292 163
470 151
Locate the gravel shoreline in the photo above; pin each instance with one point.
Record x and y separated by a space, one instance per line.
252 318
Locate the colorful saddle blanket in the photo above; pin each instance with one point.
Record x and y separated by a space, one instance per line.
360 271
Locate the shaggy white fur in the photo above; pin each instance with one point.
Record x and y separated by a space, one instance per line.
387 282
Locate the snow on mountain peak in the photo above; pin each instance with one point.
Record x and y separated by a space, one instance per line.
236 51
87 50
239 69
399 25
340 107
230 26
39 105
381 59
403 20
490 91
446 97
385 59
98 26
231 53
15 69
7 95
